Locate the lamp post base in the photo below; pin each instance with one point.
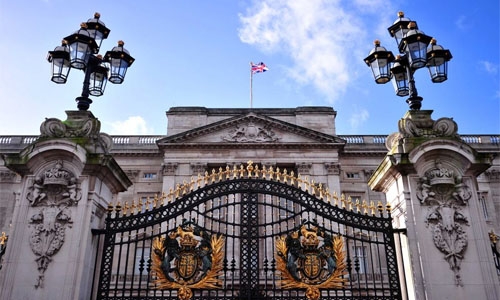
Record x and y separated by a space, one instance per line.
83 103
415 102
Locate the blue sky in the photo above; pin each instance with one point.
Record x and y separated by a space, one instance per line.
197 53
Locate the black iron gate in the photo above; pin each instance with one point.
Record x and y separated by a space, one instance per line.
248 233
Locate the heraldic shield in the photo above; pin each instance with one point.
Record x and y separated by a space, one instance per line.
187 258
311 258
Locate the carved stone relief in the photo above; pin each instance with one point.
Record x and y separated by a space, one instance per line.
198 168
446 195
368 173
332 168
493 174
304 168
7 176
52 192
420 124
80 124
250 132
132 174
169 169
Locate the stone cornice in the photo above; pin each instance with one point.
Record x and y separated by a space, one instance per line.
251 117
251 146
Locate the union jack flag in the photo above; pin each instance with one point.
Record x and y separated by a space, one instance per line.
258 68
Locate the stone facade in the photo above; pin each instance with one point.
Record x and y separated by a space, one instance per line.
302 140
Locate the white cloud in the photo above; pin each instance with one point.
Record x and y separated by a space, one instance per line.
462 23
489 67
320 37
358 118
135 125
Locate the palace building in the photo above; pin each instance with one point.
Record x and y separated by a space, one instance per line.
414 214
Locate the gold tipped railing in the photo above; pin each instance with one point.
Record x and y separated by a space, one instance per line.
250 171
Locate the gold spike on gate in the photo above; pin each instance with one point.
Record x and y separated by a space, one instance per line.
212 176
365 207
199 180
191 184
125 208
177 191
170 197
257 171
205 178
372 208
118 208
242 171
270 172
235 172
264 172
249 168
155 201
184 187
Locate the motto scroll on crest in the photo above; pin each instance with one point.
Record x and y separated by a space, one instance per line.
187 258
311 259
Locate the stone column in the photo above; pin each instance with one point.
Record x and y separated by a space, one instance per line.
333 177
430 175
68 180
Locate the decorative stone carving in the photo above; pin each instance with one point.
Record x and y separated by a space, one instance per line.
332 168
445 194
81 125
169 169
132 174
493 174
304 168
250 132
198 168
420 124
7 176
52 192
416 127
368 173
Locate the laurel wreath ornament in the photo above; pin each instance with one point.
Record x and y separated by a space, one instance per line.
184 290
335 280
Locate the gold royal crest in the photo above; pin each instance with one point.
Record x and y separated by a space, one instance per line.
310 258
187 258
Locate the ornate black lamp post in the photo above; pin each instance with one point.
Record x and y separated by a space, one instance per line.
417 50
79 51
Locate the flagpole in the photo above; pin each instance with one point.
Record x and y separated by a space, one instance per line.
251 86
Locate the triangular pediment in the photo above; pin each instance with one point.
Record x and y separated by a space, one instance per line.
250 129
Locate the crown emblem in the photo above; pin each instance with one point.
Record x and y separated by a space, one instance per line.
440 175
56 175
186 237
310 237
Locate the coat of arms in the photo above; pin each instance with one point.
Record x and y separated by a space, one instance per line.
310 258
187 258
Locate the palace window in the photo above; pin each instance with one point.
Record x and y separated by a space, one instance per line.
142 256
352 175
149 175
360 258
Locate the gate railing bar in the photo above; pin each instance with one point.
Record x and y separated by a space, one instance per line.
402 281
496 254
97 233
